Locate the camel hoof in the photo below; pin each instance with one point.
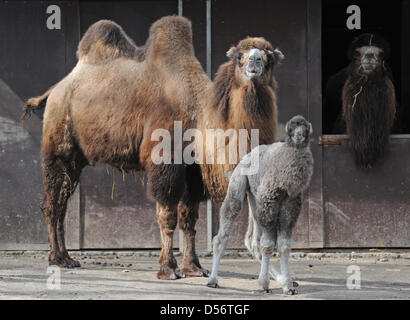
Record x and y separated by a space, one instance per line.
64 262
180 273
194 271
213 283
170 274
290 292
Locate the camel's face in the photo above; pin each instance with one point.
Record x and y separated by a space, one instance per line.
298 130
368 59
254 64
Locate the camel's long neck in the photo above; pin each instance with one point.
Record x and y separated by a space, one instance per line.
254 107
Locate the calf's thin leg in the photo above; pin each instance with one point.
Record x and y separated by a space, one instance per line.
287 219
253 236
267 246
230 209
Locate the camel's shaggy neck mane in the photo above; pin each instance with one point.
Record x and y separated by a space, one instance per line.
257 100
254 98
369 111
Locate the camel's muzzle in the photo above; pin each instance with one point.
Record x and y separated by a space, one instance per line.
254 67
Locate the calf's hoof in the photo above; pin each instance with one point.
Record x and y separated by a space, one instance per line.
290 292
213 283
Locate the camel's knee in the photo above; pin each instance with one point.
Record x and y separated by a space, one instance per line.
252 244
167 218
187 216
267 246
268 250
284 244
219 242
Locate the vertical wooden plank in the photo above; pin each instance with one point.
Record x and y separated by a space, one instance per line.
195 10
405 63
314 96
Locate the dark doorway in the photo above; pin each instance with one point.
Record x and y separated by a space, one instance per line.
380 17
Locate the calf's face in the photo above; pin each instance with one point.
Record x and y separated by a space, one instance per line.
299 131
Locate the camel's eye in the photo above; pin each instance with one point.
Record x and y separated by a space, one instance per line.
239 56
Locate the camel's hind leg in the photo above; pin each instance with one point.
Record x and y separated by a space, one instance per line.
230 209
167 220
253 236
187 217
287 219
60 179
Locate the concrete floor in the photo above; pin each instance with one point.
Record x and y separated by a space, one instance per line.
112 276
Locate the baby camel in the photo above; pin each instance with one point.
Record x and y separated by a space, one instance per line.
274 196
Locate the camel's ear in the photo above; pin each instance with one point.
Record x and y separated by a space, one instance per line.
232 53
287 127
278 56
310 129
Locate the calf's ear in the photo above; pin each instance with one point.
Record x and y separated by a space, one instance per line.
287 127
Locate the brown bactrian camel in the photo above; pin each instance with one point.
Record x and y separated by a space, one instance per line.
108 108
242 96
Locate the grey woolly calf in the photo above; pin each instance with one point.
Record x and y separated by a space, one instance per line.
274 198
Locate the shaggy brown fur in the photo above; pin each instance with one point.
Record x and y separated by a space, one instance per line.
106 109
240 103
369 102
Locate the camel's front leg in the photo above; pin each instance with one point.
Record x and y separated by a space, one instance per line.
267 245
287 219
187 217
284 279
253 236
167 220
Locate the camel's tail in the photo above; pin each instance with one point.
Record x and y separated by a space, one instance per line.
35 103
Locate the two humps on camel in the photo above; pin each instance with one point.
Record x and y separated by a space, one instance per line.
118 95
